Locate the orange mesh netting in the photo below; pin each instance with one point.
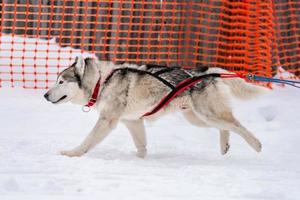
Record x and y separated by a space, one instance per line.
39 37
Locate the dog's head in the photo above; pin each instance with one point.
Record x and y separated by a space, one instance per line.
71 84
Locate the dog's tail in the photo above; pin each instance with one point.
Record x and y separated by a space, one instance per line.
239 87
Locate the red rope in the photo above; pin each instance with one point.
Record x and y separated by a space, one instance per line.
224 75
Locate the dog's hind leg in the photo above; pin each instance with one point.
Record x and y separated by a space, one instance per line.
102 128
224 141
212 107
228 122
137 131
191 117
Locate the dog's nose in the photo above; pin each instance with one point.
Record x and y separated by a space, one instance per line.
46 96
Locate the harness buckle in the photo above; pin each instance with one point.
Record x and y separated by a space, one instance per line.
86 108
250 77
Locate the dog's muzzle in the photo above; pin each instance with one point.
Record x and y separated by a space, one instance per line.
47 98
62 98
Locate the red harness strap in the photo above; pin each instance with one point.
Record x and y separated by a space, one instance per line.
168 98
183 85
179 88
223 75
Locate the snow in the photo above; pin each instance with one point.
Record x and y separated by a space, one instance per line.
183 161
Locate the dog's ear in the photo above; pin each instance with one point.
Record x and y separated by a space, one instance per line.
79 66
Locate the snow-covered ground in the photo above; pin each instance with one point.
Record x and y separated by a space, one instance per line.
183 161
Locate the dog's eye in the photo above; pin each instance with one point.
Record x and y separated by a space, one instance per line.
60 82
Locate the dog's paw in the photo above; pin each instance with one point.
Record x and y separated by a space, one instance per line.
72 153
225 148
257 146
141 153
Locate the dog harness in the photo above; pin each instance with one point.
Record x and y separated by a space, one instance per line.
177 86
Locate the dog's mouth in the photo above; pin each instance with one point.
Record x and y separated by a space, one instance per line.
62 98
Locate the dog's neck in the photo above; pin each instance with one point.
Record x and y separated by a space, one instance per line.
105 68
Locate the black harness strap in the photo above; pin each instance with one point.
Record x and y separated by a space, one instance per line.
178 89
124 70
175 90
163 71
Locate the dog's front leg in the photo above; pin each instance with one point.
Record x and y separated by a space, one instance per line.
102 128
137 131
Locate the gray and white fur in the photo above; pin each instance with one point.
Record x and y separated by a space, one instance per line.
126 96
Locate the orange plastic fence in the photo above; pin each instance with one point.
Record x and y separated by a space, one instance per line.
39 37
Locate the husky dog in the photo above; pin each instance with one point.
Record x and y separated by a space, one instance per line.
127 94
